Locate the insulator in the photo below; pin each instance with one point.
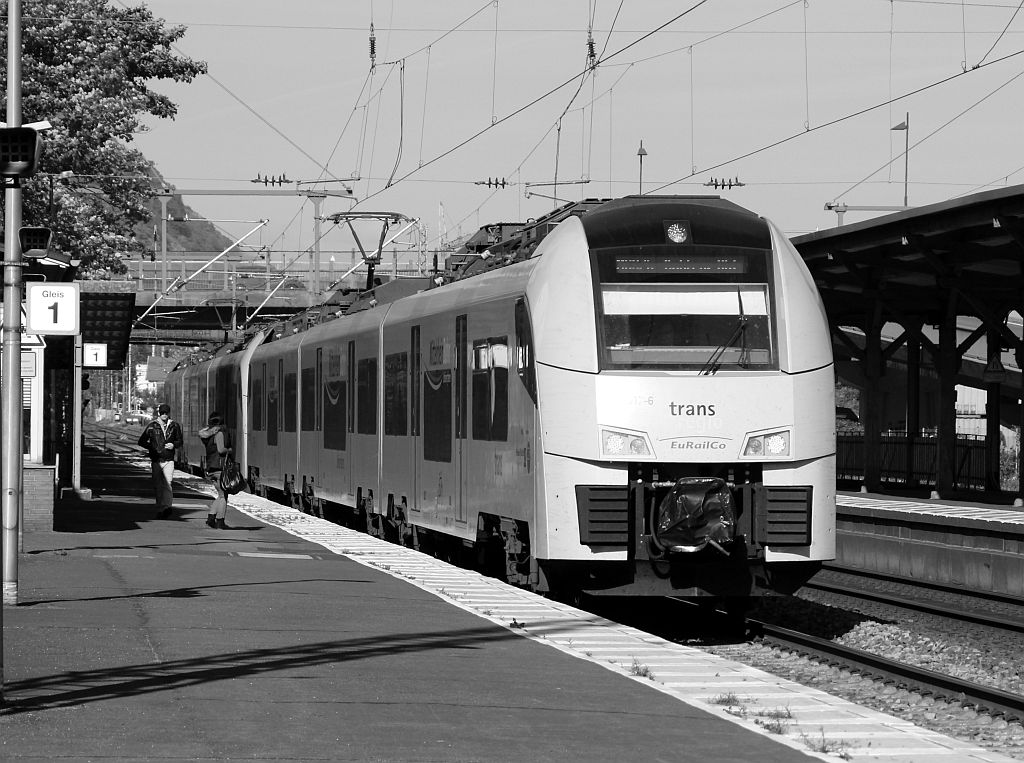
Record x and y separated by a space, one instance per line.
591 54
373 46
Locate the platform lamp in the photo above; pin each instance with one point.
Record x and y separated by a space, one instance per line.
20 147
904 127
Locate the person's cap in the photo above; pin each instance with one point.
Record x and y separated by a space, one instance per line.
164 408
214 419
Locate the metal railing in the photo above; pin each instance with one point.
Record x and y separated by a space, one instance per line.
246 278
970 459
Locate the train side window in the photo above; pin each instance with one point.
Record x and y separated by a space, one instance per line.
273 403
318 411
335 402
202 398
414 380
396 394
461 374
223 397
490 389
256 398
481 391
350 400
437 413
366 396
499 388
230 401
524 350
308 417
189 415
291 400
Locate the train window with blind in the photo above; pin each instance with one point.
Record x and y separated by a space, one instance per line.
490 389
698 307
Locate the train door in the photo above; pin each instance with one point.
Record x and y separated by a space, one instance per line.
438 479
332 370
461 415
310 393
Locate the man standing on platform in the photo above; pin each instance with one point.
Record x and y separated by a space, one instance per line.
162 438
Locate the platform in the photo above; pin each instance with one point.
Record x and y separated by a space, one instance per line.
290 638
971 546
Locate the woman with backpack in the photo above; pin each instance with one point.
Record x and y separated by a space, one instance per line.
218 447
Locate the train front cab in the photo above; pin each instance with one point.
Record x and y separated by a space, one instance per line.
703 360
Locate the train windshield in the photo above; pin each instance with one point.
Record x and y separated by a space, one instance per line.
695 307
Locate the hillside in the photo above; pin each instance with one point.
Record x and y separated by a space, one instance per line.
194 237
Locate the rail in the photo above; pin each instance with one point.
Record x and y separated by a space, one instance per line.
993 701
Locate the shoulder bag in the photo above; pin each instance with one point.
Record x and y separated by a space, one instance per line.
231 479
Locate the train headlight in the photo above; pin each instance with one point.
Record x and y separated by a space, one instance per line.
616 443
768 445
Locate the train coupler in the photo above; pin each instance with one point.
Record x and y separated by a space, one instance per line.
681 517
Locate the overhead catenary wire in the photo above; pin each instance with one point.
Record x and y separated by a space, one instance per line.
938 129
423 121
455 28
963 27
541 97
807 74
1001 34
557 125
892 35
401 122
551 92
838 120
715 35
564 162
494 66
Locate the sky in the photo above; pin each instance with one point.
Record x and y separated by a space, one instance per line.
795 100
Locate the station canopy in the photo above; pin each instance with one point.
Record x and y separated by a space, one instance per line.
912 263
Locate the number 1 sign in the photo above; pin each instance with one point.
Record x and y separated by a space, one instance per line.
51 308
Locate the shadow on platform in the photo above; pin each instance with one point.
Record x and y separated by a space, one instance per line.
75 688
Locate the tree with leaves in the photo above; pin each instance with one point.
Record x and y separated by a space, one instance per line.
87 67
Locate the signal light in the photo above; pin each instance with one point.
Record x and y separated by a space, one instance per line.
19 151
35 242
85 382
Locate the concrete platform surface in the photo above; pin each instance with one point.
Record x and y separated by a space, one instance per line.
142 639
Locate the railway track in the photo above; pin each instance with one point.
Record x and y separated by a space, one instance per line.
982 698
960 613
959 605
115 439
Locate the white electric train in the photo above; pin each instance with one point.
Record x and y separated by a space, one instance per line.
632 397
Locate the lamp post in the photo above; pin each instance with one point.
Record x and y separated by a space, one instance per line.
905 127
641 153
